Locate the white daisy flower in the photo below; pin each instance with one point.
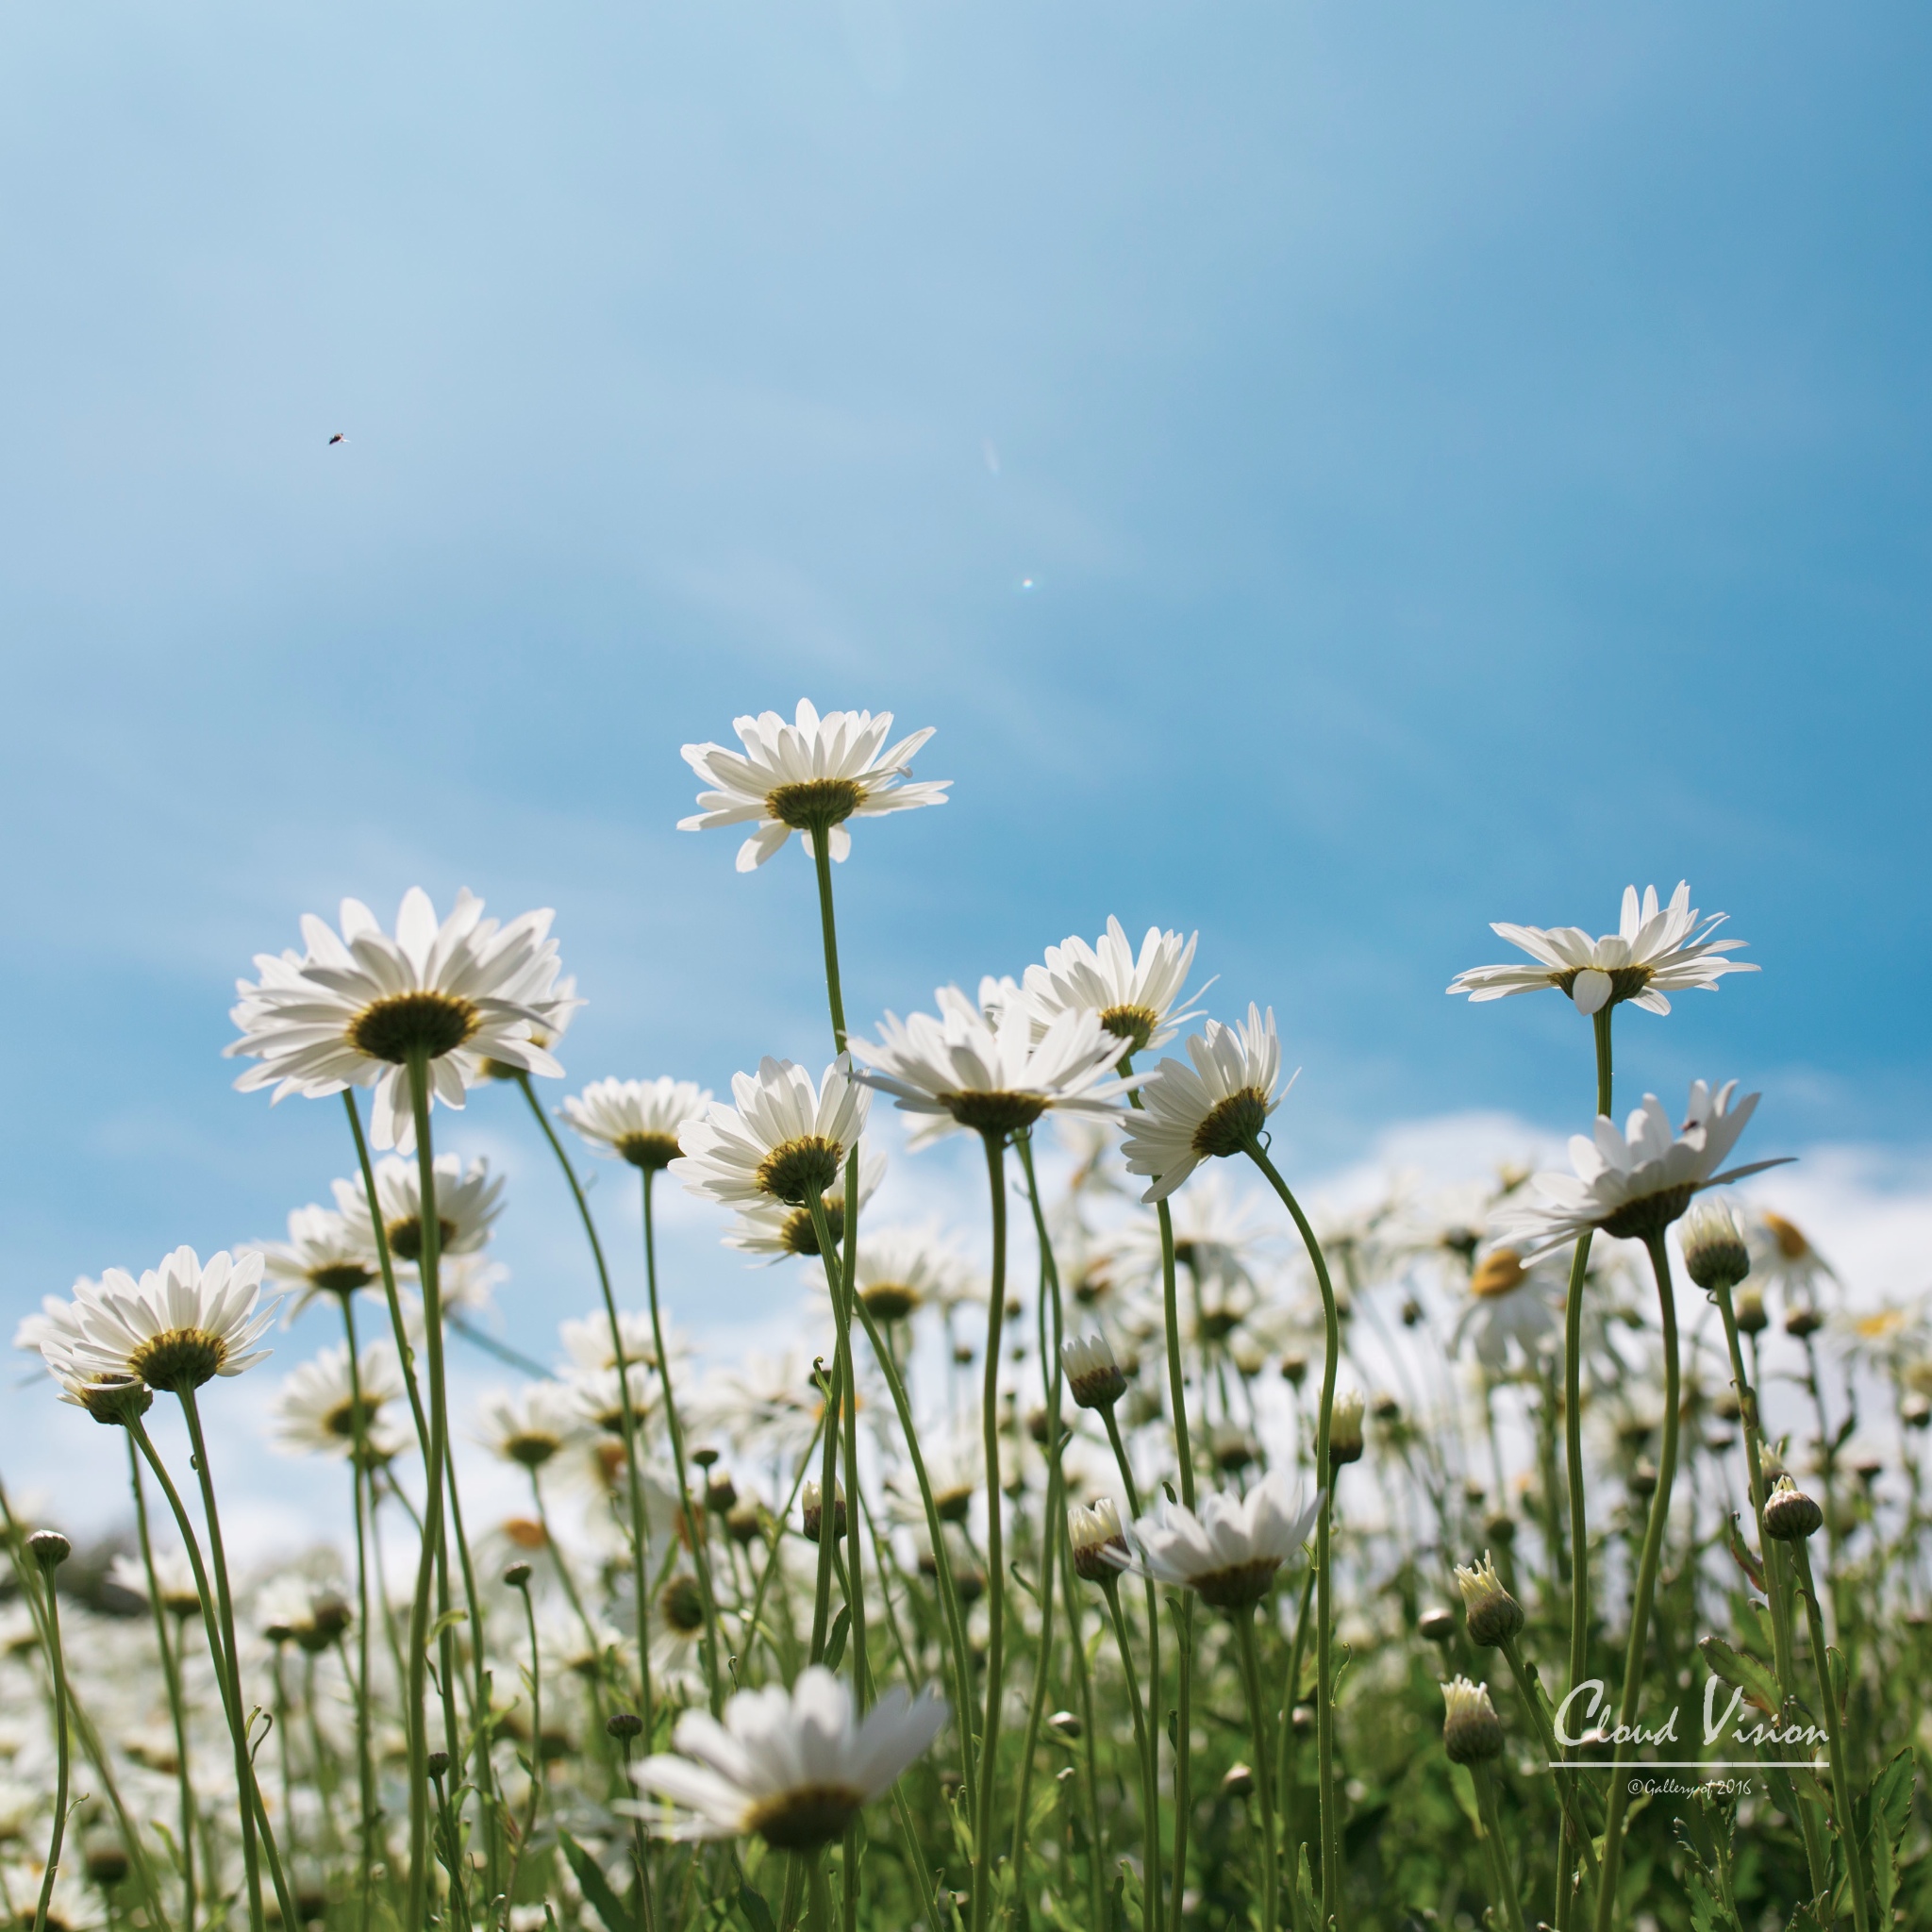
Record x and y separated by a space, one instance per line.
351 1010
1229 1553
177 1328
784 1140
1782 1253
1654 951
1631 1184
468 1200
530 1425
961 1070
1135 998
54 1321
901 1270
173 1580
793 1767
638 1120
770 1228
588 1348
1210 1110
809 777
1099 1543
314 1410
322 1256
597 1396
761 1403
1509 1301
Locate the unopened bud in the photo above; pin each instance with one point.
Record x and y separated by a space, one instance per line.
1789 1514
1345 1429
517 1575
624 1725
1715 1256
1093 1533
811 1508
1752 1320
1436 1625
49 1548
1471 1732
436 1763
1489 1613
1095 1378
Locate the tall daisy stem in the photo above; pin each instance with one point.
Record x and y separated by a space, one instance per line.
1144 1741
995 1547
171 1673
1509 1897
1834 1739
1646 1593
1332 1907
57 1663
1264 1783
365 1756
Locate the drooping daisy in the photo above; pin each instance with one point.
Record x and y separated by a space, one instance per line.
1229 1553
958 1071
1509 1301
1210 1110
1135 998
638 1120
809 777
322 1256
1634 1183
179 1326
783 1140
468 1200
530 1425
353 1009
771 1228
1653 952
315 1409
793 1767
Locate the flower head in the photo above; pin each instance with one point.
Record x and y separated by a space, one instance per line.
1493 1615
315 1409
1635 1183
1654 951
1230 1552
173 1580
322 1256
1782 1253
961 1069
468 1200
1789 1514
528 1426
1134 997
1346 1428
776 1230
1210 1109
1100 1546
1509 1301
898 1270
354 1008
783 1140
1095 1380
1715 1255
179 1326
1471 1731
638 1120
793 1767
809 777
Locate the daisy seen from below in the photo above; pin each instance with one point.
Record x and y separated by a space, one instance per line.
783 1139
1210 1109
468 1200
173 1580
808 776
1135 996
794 1768
958 1070
776 1230
1509 1301
1654 951
638 1120
179 1326
530 1425
354 1010
322 1256
316 1409
1229 1553
1782 1256
1633 1183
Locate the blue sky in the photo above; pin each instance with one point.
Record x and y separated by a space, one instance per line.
1333 475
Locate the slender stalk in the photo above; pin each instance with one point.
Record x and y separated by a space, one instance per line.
693 1517
365 1755
534 1796
822 866
1509 1896
1150 1744
1144 1742
171 1672
1184 1661
284 1749
639 1541
1324 1623
1567 1791
1646 1583
1834 1739
996 1548
1264 1791
835 1395
58 1664
1076 1644
1297 1653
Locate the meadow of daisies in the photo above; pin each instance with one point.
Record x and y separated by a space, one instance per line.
1154 1553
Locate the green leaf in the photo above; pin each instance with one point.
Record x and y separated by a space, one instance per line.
1890 1808
835 1644
754 1910
1744 1557
1810 1917
1742 1672
604 1902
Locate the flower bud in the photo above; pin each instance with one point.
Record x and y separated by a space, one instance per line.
113 1400
1097 1538
1489 1613
811 1506
1789 1514
624 1725
1094 1376
1471 1732
437 1763
1063 1723
1238 1781
1802 1321
1294 1369
1436 1625
1714 1251
721 1494
517 1575
744 1522
1752 1319
1345 1429
49 1548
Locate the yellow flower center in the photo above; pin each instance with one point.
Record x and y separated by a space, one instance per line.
431 1024
1499 1274
179 1358
1231 1123
650 1152
814 802
1791 1240
804 1819
796 1170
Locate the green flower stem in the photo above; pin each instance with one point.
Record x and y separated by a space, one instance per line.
1076 1644
1184 1661
1834 1739
1567 1791
58 1664
693 1513
1507 1895
365 1755
834 1395
283 1749
1572 1449
822 866
1264 1790
406 1353
1151 1746
1284 1782
995 1547
429 1567
1147 1747
571 1595
533 1798
1325 1619
639 1540
1771 1552
1646 1582
752 1624
171 1673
